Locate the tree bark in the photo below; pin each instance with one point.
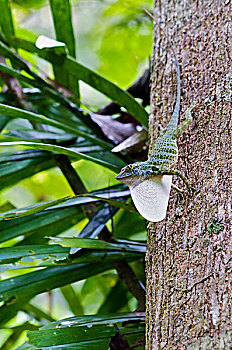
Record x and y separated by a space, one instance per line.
189 257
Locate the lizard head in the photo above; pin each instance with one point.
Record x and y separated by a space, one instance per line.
128 173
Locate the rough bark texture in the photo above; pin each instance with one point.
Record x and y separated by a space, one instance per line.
189 258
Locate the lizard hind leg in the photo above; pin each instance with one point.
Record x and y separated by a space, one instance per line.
180 190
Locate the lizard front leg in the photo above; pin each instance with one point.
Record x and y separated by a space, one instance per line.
175 172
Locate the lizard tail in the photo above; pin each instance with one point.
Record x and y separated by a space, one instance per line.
172 125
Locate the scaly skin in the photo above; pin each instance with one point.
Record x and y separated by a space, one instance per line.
162 160
165 152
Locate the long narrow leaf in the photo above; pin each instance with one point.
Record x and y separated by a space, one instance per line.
16 333
98 244
22 164
35 227
51 92
28 135
83 334
73 300
85 74
32 253
60 150
14 112
15 292
86 332
22 155
115 300
53 220
55 257
6 21
62 19
34 311
22 287
18 170
36 208
112 202
80 146
14 214
3 121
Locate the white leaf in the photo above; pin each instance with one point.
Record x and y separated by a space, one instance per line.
43 42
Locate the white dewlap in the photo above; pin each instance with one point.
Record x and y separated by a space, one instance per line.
151 197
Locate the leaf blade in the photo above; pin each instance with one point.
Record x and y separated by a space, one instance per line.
95 244
6 21
91 78
14 112
62 19
60 150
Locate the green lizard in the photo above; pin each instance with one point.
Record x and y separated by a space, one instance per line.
150 181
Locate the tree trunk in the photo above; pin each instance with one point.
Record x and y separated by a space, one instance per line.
189 258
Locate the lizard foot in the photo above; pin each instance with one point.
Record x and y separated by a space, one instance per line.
179 190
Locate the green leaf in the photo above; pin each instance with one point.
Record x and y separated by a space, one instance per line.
95 244
6 21
59 258
24 287
117 298
80 146
98 256
72 299
33 254
34 311
61 150
38 207
96 320
16 291
62 19
16 332
16 171
22 155
26 346
7 53
85 74
53 220
7 206
28 134
14 112
3 118
46 223
80 332
49 91
23 164
84 334
13 214
111 202
3 121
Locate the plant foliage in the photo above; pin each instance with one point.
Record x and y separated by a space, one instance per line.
70 239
